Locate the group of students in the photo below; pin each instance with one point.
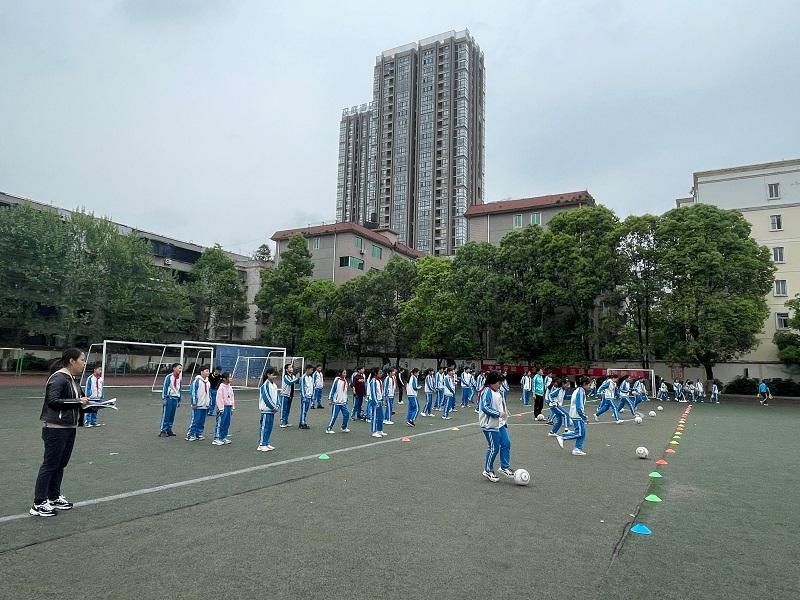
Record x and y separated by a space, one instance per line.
688 391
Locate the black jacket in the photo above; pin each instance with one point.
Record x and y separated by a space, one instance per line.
61 405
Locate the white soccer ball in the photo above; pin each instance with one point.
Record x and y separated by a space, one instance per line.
540 417
638 420
652 413
642 452
660 408
522 477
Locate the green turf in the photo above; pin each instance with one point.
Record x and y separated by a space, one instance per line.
389 520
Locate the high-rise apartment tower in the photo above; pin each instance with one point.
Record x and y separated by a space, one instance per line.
425 149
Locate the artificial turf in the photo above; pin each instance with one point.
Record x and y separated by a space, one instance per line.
392 520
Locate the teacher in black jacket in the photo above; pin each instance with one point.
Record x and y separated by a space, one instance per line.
61 416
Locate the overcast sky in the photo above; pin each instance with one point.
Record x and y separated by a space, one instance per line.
217 121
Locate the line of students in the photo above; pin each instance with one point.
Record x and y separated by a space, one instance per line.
688 391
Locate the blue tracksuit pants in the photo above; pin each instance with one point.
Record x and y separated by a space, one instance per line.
526 397
358 403
212 407
560 417
605 404
168 414
389 406
413 409
286 407
318 397
335 410
428 403
377 418
267 422
305 404
223 423
448 404
579 434
628 402
499 442
198 423
466 396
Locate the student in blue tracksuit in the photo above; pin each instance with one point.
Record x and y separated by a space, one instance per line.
430 390
267 405
375 394
578 416
466 387
389 392
449 393
763 393
307 393
607 391
94 392
504 387
200 395
440 375
319 385
526 383
714 393
412 387
555 401
492 420
337 398
171 400
287 392
639 392
663 392
677 387
626 395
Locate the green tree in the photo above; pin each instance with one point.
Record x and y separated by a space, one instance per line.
436 314
640 282
263 253
319 342
715 279
480 288
36 249
280 298
217 291
349 319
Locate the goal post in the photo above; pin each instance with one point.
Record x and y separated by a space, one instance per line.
236 358
129 364
248 371
11 360
649 375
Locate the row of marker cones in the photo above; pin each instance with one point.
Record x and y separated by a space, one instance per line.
641 528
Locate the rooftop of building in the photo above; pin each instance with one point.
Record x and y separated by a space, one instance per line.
354 228
6 198
778 164
462 34
508 206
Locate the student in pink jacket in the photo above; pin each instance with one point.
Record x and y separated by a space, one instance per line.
225 406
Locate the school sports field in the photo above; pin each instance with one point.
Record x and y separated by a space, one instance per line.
160 518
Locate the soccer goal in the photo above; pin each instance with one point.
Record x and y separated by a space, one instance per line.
11 360
649 376
245 363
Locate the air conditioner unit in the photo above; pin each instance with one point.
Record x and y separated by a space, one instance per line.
168 261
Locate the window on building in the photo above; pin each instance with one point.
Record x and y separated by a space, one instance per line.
352 262
774 190
517 221
780 287
775 223
777 254
377 251
359 243
313 243
536 218
782 320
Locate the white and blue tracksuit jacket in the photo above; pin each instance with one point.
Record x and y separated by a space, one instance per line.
338 393
268 397
491 405
576 404
288 383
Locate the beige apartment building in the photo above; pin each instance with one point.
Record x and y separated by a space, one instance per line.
768 196
342 251
490 222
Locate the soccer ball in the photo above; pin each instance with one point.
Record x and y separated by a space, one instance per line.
638 420
652 413
540 417
660 408
641 452
522 477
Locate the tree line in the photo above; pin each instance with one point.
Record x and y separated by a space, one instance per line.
688 286
78 280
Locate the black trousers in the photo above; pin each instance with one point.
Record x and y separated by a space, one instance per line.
58 445
538 405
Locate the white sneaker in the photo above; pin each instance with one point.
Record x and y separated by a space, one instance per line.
377 434
568 431
217 443
560 441
388 422
329 431
423 414
619 421
345 430
88 425
282 426
383 433
263 448
491 476
577 452
227 441
45 509
551 434
596 418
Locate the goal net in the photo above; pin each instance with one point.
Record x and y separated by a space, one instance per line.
11 360
648 375
246 364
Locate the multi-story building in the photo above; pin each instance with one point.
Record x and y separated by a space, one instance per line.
768 196
490 222
425 156
179 257
342 251
352 181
